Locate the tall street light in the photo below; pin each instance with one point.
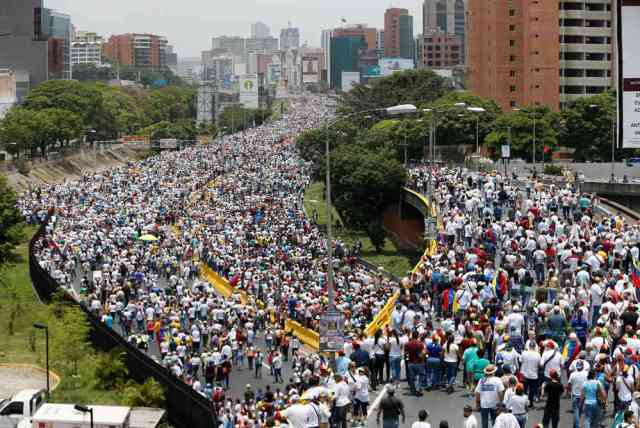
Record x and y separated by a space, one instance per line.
45 327
477 110
432 135
393 111
597 107
85 409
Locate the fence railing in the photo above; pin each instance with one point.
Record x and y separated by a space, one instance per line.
185 407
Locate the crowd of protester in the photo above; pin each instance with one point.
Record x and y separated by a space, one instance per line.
531 294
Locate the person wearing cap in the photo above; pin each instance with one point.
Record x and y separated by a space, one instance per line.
489 392
574 386
552 389
361 396
529 368
391 408
551 359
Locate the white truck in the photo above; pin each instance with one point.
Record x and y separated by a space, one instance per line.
66 416
21 406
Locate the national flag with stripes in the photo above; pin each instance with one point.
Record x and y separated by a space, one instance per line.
635 272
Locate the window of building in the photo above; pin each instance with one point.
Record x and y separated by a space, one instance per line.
512 43
512 103
512 73
512 58
512 27
512 12
512 88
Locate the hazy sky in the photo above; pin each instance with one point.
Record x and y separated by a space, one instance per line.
190 24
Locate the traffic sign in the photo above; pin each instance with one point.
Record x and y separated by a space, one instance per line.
430 228
331 328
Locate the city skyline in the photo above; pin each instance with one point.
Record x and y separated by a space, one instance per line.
190 29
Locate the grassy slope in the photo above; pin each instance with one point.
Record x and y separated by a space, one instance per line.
391 258
16 347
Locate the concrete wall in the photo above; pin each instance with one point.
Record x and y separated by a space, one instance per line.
406 232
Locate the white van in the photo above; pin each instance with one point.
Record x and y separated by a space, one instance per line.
65 416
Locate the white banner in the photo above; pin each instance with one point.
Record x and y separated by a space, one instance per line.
249 90
630 73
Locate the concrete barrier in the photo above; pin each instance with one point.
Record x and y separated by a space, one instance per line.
307 336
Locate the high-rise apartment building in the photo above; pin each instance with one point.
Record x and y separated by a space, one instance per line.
514 52
289 38
325 44
231 44
446 16
370 34
260 30
398 33
34 42
380 40
586 48
345 54
265 44
440 50
58 27
86 48
137 50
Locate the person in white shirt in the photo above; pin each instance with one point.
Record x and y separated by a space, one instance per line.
422 420
575 383
297 414
505 419
342 397
551 359
530 361
470 420
489 392
361 396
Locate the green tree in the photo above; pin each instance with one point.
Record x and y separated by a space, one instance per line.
411 86
17 130
456 125
80 98
11 221
363 182
110 370
149 394
587 126
517 129
69 333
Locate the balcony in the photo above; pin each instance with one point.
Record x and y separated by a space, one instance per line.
584 64
585 81
585 47
586 31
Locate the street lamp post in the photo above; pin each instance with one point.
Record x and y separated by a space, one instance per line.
85 409
45 327
477 110
395 110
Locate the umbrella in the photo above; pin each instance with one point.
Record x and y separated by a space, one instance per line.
148 238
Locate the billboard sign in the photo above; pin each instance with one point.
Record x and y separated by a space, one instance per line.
350 79
249 90
388 66
274 72
629 78
430 228
331 328
310 69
